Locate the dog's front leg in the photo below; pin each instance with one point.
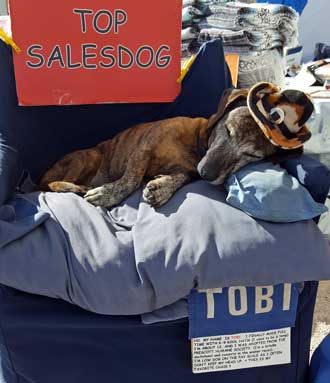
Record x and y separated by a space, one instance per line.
158 191
113 193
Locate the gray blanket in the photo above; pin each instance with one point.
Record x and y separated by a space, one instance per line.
134 259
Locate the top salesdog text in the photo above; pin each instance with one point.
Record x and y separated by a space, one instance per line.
92 56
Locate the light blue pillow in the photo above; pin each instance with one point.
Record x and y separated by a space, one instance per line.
266 191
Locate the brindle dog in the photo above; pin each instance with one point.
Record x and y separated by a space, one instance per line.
167 154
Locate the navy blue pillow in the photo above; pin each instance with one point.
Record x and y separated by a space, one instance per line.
312 174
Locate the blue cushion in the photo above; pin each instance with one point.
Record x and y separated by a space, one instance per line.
266 191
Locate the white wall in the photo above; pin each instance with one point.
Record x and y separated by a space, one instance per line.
314 26
3 7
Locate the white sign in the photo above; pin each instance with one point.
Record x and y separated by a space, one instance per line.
237 351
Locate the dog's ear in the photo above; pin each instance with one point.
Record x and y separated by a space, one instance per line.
283 155
229 100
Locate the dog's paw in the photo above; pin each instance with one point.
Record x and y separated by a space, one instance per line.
98 197
157 192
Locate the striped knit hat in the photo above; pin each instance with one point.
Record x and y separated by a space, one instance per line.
281 115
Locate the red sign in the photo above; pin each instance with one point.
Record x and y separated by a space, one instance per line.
88 52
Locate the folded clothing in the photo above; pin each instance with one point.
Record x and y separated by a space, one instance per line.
266 191
235 15
250 39
195 3
297 5
190 33
255 67
192 15
189 47
228 37
256 32
277 20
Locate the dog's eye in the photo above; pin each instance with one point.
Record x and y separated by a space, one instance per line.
254 156
229 131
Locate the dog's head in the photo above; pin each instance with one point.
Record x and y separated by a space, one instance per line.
235 140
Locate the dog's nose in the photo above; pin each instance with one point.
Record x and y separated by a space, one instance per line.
208 173
207 176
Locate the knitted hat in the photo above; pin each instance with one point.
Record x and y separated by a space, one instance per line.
281 115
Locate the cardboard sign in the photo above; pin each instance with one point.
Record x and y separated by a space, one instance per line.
87 52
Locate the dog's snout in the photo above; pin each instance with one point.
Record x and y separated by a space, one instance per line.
206 175
207 169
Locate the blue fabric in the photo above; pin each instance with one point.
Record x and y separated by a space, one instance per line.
175 311
320 363
266 191
18 219
52 341
117 262
298 5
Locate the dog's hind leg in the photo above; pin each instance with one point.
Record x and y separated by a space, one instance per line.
72 172
158 191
